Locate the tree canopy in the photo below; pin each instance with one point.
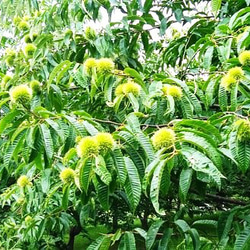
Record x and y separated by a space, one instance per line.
130 135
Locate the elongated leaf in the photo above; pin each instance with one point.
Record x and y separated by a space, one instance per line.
182 225
243 156
199 162
58 72
86 173
120 165
151 234
133 185
90 128
102 242
204 144
102 193
65 198
77 125
243 239
208 57
216 4
224 227
47 139
134 74
148 174
163 244
223 98
195 238
102 171
127 242
146 145
56 128
203 126
8 119
155 187
45 180
185 182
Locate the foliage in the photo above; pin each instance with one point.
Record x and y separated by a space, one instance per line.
111 138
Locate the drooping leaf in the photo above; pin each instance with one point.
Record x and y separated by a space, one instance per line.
47 139
132 185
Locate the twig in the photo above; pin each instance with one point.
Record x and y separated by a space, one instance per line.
225 199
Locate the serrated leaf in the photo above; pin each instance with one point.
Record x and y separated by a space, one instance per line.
243 239
155 187
102 171
120 165
133 185
58 72
201 163
86 173
47 139
185 182
216 4
7 119
102 193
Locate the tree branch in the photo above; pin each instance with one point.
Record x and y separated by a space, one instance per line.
227 200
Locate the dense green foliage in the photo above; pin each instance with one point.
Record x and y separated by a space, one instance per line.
115 139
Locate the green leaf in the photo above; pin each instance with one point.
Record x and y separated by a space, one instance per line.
224 226
149 172
133 185
243 155
6 121
205 223
234 93
134 74
201 163
223 98
208 57
65 198
77 125
134 102
45 180
47 139
58 72
195 238
199 125
216 4
243 239
151 234
86 173
90 128
102 193
185 182
204 144
127 242
182 225
120 165
102 171
155 187
102 242
141 232
56 128
163 244
147 5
